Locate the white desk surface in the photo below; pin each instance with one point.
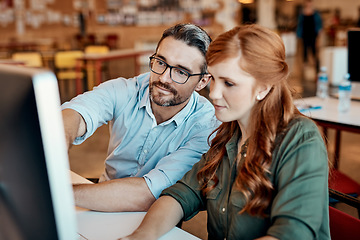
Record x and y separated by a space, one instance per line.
329 111
111 226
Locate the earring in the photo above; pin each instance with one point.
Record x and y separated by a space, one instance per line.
258 97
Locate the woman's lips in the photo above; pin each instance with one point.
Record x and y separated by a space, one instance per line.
218 107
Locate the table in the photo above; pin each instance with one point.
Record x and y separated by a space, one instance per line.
110 226
325 113
96 60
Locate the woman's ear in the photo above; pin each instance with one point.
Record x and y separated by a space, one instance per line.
262 92
203 82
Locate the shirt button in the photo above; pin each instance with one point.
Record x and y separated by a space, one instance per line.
145 151
223 209
244 155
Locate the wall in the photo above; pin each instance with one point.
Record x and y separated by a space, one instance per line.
59 20
348 8
64 25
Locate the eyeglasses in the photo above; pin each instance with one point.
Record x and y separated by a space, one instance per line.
178 75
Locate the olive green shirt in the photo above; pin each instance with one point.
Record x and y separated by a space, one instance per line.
299 174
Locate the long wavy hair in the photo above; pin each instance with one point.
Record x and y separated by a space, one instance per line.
263 56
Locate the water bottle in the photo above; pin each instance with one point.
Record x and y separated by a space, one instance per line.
345 94
322 89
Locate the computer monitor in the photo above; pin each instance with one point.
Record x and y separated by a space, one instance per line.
36 198
354 54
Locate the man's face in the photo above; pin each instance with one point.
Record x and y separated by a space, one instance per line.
164 91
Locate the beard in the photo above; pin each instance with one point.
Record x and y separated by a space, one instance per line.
165 100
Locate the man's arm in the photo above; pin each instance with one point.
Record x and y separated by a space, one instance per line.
117 195
74 125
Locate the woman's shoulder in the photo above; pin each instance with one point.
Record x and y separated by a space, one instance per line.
301 144
300 129
302 124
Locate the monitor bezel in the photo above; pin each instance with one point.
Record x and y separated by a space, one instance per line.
47 99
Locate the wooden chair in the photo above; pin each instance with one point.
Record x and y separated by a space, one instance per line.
96 49
65 63
30 59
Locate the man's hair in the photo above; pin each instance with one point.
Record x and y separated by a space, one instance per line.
192 35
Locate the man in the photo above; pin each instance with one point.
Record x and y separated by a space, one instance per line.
158 125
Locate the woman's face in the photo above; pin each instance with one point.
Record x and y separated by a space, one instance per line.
232 91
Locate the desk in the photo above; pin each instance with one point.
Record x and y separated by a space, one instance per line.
328 116
110 226
96 60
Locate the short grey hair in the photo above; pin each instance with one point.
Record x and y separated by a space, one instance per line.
192 35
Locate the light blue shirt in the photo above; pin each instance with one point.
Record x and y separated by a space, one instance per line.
138 147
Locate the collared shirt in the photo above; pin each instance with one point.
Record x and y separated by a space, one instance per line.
299 208
138 146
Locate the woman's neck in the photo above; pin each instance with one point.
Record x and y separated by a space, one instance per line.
244 135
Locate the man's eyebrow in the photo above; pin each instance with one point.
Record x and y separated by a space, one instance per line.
160 56
179 66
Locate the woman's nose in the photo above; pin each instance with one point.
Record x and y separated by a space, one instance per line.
215 90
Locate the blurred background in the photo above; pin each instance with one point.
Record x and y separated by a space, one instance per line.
48 27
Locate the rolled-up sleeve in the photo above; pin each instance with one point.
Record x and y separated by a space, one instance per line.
172 167
187 192
97 106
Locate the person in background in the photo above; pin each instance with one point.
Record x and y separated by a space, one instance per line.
82 24
265 175
308 29
158 124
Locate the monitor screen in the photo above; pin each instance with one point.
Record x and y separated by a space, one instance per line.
353 54
36 198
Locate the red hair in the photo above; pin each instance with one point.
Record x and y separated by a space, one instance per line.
263 56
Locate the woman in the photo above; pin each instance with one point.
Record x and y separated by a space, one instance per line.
265 175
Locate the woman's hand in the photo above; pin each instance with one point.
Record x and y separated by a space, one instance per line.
267 238
162 216
139 235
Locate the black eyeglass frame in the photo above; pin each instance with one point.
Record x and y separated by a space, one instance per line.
171 67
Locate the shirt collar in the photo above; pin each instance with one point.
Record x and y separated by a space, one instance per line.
180 117
232 145
233 142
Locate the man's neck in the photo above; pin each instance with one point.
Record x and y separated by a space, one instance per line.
163 114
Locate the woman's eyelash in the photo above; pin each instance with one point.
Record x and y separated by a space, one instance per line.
229 84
